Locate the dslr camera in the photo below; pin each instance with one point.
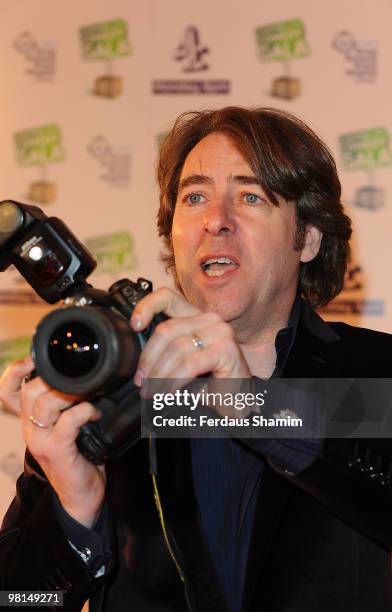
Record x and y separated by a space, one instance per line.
87 347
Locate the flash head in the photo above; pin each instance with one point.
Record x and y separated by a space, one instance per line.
11 220
44 250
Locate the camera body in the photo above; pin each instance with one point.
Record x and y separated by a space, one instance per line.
87 347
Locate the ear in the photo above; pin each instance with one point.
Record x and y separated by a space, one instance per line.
312 242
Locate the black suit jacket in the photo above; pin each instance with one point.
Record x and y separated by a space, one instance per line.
320 540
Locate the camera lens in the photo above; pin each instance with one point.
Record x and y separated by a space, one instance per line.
85 350
74 349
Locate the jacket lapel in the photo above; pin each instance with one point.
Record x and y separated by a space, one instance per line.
315 349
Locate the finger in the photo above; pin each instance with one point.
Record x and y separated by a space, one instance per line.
162 300
222 359
57 444
182 347
184 360
13 376
49 406
31 391
173 339
68 426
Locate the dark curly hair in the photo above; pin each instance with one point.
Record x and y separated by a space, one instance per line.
289 160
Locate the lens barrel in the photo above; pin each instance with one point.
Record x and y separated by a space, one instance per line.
85 351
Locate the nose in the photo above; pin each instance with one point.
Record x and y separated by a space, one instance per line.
219 217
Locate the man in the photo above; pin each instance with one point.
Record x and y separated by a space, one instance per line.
252 221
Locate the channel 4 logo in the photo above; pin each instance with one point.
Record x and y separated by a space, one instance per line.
191 54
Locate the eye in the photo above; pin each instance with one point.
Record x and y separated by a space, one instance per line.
194 198
252 198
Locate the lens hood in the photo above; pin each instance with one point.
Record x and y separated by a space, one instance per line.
85 351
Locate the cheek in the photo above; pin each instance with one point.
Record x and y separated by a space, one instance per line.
272 248
179 228
184 237
177 237
183 252
179 248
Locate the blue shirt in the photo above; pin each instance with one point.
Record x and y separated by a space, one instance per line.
227 478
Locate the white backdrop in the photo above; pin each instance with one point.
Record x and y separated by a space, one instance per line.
99 174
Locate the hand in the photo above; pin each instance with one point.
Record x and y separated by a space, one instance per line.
172 352
10 384
79 484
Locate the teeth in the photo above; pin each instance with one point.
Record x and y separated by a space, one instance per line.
215 272
221 260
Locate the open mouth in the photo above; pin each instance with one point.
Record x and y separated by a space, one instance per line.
217 266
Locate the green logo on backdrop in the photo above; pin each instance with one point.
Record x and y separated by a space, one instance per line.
105 41
366 150
282 41
39 146
10 350
113 252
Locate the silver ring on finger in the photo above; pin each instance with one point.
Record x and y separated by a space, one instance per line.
197 342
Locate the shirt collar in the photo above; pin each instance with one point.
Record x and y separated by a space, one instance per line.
285 338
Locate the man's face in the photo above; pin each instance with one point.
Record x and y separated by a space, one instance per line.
234 249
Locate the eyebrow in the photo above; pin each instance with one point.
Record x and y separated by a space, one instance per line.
246 180
201 179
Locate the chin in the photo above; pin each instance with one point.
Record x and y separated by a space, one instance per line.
227 310
224 303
